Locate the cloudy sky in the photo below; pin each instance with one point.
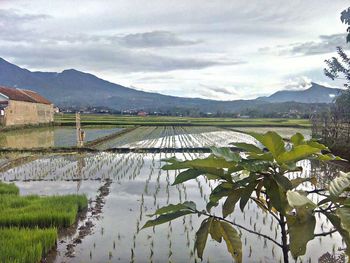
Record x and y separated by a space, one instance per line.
225 50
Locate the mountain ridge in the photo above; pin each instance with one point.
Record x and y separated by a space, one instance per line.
72 87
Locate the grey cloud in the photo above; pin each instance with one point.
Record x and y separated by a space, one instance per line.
326 44
221 90
107 58
155 39
16 26
12 16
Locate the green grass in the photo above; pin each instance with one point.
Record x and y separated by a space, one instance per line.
8 189
35 211
25 245
122 120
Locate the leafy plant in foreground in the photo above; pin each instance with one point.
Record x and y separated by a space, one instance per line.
261 174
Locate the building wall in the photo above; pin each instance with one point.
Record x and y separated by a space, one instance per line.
21 112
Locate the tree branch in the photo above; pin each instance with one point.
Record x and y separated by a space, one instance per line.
325 233
240 226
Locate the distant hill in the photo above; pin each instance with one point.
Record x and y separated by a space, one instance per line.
78 89
315 94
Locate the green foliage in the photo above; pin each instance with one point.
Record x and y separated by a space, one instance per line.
339 184
8 189
261 175
22 245
35 211
301 227
171 212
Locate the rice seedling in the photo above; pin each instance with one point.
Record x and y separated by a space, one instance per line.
26 245
8 189
35 211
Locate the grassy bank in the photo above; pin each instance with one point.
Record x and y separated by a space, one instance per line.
122 120
26 245
35 211
8 189
28 224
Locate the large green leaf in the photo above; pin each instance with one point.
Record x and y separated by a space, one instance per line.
226 153
283 181
202 236
344 215
171 160
316 144
187 175
339 184
248 147
231 201
174 208
263 156
166 218
297 139
297 153
329 157
297 199
215 230
222 190
276 195
209 162
255 166
301 229
233 241
272 141
298 181
340 226
246 194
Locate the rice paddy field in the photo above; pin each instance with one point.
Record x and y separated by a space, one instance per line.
29 224
123 188
110 119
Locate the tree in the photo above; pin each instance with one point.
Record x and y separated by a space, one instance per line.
339 68
261 175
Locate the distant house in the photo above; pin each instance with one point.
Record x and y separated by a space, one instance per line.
20 106
142 113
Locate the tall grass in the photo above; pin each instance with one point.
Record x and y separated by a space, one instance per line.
8 189
35 211
25 245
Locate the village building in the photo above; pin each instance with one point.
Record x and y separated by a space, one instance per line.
21 107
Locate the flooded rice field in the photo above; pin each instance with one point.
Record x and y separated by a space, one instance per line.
177 137
124 188
50 137
138 187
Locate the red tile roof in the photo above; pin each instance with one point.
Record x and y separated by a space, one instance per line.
23 95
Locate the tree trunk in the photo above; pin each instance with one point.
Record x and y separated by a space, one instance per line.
285 248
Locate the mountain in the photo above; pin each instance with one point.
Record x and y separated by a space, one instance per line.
73 88
76 88
315 94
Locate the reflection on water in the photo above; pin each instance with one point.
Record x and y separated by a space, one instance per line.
28 139
49 137
138 187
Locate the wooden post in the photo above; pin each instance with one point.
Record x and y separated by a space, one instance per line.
80 132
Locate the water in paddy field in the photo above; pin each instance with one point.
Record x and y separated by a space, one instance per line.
138 187
50 137
177 137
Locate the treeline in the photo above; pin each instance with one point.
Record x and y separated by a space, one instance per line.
265 110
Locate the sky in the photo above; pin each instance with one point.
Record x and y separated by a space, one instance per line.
213 49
